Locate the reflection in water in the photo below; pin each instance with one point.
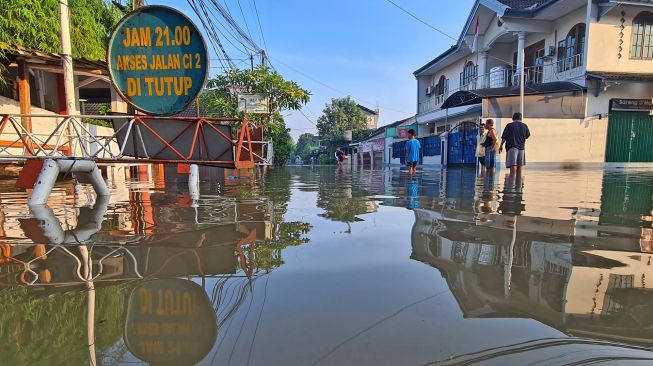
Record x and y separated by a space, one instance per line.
553 266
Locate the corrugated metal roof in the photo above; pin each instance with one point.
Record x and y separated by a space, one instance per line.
51 58
627 76
524 4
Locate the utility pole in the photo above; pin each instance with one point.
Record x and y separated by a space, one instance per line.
138 4
251 61
263 57
66 57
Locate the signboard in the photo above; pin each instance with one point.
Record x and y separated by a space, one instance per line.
378 145
157 60
402 132
373 145
631 104
170 322
253 103
347 135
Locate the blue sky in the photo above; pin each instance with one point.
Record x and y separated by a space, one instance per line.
364 48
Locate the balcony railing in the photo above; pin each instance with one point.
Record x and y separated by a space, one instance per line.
559 70
432 103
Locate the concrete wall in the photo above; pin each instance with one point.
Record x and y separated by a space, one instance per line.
432 160
601 103
603 46
564 141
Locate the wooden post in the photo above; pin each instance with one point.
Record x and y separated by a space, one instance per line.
24 95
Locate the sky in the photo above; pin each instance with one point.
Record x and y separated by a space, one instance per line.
367 49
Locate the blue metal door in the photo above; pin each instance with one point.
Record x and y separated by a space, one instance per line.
461 144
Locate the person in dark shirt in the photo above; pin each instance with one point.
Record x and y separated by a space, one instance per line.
340 156
514 136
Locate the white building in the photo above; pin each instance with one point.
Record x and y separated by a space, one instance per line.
371 117
588 78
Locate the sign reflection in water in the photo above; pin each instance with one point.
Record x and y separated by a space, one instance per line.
227 242
170 321
567 259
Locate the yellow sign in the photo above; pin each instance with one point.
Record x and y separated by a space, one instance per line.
170 321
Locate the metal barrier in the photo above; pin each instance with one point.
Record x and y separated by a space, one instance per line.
69 137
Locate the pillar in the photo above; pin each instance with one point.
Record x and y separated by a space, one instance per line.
521 44
24 95
482 72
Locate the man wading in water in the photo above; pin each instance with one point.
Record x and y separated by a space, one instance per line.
514 136
413 148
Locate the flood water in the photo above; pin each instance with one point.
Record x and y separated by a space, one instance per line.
315 266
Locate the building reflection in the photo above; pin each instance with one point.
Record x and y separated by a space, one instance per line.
587 275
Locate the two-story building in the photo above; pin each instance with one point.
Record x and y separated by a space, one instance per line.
371 117
588 71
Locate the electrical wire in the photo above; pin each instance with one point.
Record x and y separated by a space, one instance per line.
334 89
509 63
244 19
421 21
258 19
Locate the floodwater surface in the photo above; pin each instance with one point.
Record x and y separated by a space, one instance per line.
320 266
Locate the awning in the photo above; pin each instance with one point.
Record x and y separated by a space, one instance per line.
620 76
469 97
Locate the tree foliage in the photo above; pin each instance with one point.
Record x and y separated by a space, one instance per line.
340 115
282 144
283 94
304 142
35 24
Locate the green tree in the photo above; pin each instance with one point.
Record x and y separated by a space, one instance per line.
35 24
304 142
340 115
282 144
283 94
219 101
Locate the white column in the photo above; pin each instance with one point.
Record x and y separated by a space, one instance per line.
521 44
482 71
194 183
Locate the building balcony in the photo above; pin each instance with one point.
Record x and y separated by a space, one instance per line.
564 69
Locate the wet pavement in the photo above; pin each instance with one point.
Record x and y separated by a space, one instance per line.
316 266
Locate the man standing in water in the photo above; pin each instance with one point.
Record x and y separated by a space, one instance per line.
514 136
412 148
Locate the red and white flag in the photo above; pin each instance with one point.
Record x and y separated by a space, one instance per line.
475 43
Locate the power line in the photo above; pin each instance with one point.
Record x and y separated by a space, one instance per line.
244 19
336 90
442 32
258 19
308 119
421 21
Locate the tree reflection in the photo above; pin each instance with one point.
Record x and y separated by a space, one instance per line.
340 199
267 254
50 330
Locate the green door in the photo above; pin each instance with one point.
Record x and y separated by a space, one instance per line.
630 137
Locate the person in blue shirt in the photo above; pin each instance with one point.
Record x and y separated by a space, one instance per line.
413 148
